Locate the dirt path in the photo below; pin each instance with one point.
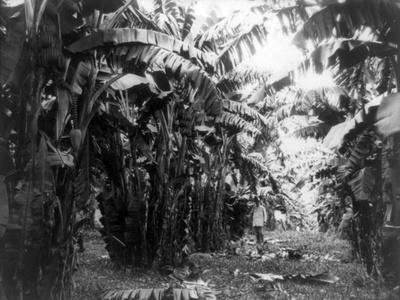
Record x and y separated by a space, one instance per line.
230 276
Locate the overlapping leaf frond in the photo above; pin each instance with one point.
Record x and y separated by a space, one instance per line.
286 110
136 58
171 8
236 123
240 48
246 112
129 16
290 15
168 24
363 184
283 102
313 98
236 43
347 53
374 72
364 145
328 103
386 76
304 126
347 19
188 22
340 55
141 36
221 32
158 6
240 77
254 162
287 12
234 39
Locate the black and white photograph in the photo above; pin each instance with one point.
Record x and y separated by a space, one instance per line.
199 149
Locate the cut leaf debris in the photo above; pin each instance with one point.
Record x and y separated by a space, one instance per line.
325 277
203 293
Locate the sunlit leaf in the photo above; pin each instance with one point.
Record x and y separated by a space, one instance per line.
387 118
128 81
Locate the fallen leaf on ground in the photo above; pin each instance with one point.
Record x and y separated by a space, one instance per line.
267 277
275 241
325 277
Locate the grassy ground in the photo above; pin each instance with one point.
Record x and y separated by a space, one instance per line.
227 274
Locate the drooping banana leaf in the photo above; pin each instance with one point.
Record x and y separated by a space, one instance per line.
335 137
346 19
245 112
239 78
141 36
128 58
234 122
254 163
188 22
348 129
171 8
129 14
345 53
240 48
168 25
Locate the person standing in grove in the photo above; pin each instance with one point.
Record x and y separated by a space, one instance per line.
259 216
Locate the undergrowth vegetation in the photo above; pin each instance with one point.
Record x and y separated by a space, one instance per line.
227 273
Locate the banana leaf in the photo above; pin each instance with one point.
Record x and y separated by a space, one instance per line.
348 19
236 123
363 184
345 52
388 115
64 101
141 36
128 81
338 133
335 137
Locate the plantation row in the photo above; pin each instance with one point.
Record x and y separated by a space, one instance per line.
145 110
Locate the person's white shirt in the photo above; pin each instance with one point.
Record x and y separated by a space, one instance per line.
259 216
